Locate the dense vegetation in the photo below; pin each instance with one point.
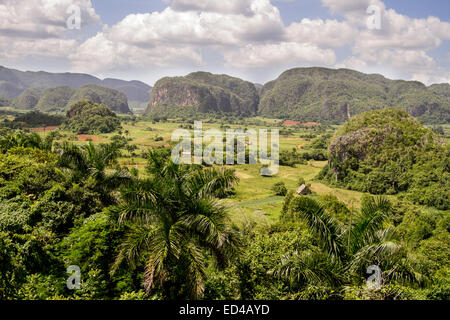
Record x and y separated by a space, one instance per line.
4 102
55 99
86 117
14 82
141 227
27 100
114 99
167 235
387 152
59 99
319 94
34 119
203 92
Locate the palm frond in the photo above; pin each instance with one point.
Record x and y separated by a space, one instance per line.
323 225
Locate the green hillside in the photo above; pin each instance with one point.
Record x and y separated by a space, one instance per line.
319 94
389 152
86 117
58 99
203 92
114 99
14 82
27 100
55 99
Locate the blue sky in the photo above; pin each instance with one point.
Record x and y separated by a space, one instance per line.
252 39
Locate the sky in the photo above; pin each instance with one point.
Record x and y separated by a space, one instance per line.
252 39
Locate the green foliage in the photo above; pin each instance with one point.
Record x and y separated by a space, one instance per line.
27 100
366 241
279 189
55 99
86 117
202 92
387 152
174 222
165 233
93 245
114 99
291 158
4 102
34 119
319 94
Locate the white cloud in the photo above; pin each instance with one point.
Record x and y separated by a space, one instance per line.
172 36
102 54
400 48
346 7
201 28
280 54
37 28
225 7
41 18
327 34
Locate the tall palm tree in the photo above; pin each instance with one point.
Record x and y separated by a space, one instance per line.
175 219
350 250
94 165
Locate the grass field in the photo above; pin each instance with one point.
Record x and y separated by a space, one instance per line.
254 200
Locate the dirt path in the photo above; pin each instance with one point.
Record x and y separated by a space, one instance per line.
84 137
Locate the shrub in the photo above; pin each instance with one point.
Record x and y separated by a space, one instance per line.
279 189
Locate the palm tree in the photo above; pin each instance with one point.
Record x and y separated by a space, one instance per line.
349 250
95 166
175 219
25 140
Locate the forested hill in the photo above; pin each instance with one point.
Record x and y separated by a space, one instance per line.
203 92
388 152
319 94
59 99
14 82
303 94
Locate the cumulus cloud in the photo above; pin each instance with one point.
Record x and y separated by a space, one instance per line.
193 27
174 35
279 54
225 7
102 54
41 18
401 47
37 28
324 33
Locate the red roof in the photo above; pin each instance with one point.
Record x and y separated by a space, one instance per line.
295 123
291 123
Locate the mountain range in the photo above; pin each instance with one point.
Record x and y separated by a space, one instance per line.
15 82
320 94
301 94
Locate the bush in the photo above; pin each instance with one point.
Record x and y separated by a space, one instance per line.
85 117
279 189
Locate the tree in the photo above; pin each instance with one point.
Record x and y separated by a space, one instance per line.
349 250
279 189
25 140
174 220
89 164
